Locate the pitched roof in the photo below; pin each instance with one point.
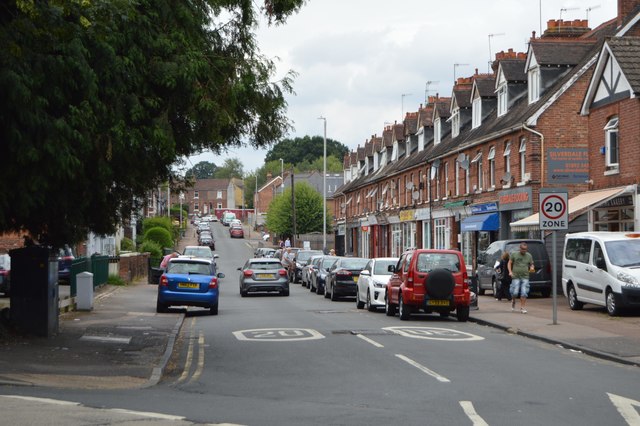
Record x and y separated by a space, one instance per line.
211 185
386 136
410 123
513 69
486 84
560 52
626 50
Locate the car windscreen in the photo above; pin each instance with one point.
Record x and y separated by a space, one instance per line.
430 261
354 263
189 268
382 267
264 265
327 262
624 253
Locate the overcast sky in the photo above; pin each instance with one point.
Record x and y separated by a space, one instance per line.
363 63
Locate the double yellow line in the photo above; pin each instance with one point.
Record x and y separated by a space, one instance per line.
189 362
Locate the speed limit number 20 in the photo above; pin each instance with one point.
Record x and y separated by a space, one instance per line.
554 211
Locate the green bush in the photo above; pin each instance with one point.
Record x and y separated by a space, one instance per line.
151 247
127 244
116 280
158 221
159 235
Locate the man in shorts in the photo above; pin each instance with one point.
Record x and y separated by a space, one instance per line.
520 263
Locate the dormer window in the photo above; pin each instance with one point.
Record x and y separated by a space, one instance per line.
534 84
502 100
476 117
611 143
455 122
437 131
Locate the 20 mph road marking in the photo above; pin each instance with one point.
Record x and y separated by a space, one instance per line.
468 409
423 369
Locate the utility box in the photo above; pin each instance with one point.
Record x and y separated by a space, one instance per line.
84 292
34 291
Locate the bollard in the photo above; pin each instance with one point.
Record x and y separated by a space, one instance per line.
84 292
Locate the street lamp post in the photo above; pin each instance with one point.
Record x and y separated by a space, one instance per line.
324 186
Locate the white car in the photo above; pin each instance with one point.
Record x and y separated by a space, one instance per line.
373 282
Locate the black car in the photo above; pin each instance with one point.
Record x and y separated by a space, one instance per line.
300 261
319 274
65 259
342 277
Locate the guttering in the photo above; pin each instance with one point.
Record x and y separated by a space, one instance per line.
542 152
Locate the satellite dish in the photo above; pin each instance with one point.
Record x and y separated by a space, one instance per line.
464 164
461 157
343 205
506 178
436 163
415 195
434 171
409 185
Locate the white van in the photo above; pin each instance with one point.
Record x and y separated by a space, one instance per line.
602 268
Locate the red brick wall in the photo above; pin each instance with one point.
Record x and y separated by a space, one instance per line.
134 267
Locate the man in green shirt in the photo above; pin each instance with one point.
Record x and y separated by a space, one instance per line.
520 264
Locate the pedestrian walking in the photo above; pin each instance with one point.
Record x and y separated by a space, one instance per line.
287 242
520 264
504 280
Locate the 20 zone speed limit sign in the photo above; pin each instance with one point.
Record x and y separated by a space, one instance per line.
554 211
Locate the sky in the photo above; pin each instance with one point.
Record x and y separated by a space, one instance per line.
362 64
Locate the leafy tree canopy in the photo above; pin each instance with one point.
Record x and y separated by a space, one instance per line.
102 97
202 170
307 149
308 211
232 168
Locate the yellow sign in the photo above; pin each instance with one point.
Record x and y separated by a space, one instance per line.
407 215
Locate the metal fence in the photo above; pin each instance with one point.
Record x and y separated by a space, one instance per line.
98 265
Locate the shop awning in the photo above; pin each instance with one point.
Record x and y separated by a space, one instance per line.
480 222
577 205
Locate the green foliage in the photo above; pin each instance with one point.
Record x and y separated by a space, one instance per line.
154 249
116 280
175 211
100 98
202 170
308 211
127 244
305 150
232 168
153 222
159 235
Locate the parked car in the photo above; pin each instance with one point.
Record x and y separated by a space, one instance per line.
342 277
300 259
65 260
5 274
539 281
236 231
264 252
319 274
203 226
431 281
602 268
263 275
199 251
189 281
206 239
307 270
373 281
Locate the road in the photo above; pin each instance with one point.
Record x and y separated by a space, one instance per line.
304 360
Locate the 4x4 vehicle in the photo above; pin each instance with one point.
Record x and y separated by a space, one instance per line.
602 268
539 281
429 280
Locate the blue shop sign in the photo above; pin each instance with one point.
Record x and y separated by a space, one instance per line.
484 208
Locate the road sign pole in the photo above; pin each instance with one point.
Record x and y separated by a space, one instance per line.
554 279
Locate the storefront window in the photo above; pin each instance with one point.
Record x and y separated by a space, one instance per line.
441 234
467 248
613 219
396 240
409 235
426 235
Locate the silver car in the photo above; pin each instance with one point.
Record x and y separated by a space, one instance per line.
263 274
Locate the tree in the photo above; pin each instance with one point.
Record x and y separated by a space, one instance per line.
308 211
232 168
101 98
202 170
299 150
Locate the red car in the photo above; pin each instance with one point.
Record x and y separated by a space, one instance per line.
236 231
431 281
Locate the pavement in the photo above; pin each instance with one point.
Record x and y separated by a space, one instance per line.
123 343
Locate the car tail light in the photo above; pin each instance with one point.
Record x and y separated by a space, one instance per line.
164 281
282 272
343 273
410 280
213 283
247 273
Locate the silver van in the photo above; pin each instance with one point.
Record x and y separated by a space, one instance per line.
602 268
539 281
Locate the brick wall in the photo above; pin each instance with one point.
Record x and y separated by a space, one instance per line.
134 266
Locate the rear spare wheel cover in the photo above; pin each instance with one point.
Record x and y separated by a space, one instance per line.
440 284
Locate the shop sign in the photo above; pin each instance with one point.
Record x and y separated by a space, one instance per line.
407 215
567 165
372 219
625 200
515 199
484 208
342 229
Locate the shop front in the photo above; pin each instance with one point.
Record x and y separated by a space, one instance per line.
479 230
513 205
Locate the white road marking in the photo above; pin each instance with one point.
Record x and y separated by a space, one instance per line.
424 369
434 333
277 334
373 342
107 339
476 420
626 408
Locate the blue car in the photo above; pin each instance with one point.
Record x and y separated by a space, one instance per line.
189 281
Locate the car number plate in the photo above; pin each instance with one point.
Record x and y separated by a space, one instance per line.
435 302
188 285
265 276
355 279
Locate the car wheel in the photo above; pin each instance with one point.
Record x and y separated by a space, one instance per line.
546 292
359 304
334 296
285 292
326 291
161 308
494 286
243 293
480 290
613 303
312 289
389 308
369 306
403 309
462 313
572 298
213 310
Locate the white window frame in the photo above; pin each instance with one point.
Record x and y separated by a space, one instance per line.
467 180
492 166
611 139
196 195
502 99
219 195
476 108
437 131
196 206
457 185
441 234
534 84
455 122
446 179
523 158
507 157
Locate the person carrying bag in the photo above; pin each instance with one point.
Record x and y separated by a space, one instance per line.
503 277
